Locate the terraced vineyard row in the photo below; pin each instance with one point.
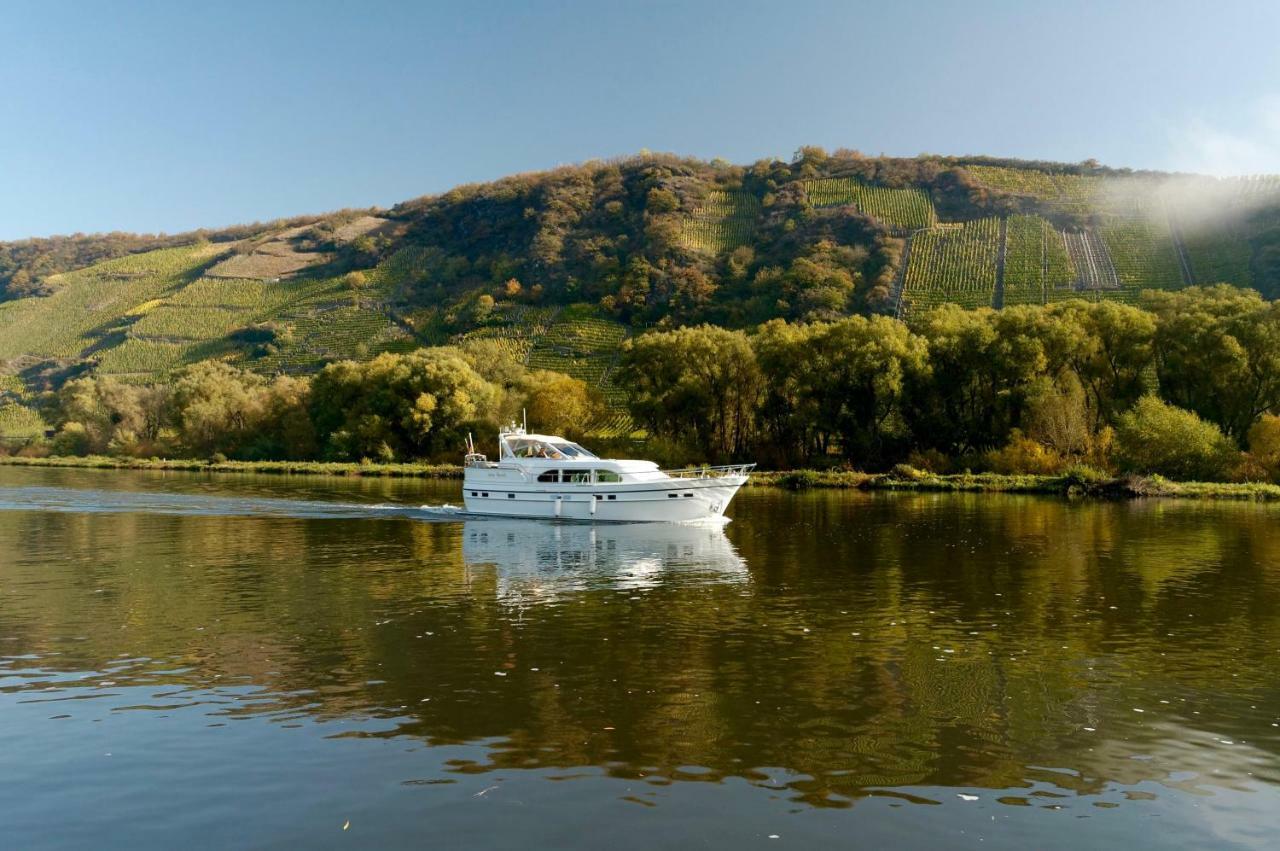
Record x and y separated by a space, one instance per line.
136 356
1258 186
905 209
725 219
401 269
952 264
89 303
518 327
583 347
588 351
1064 192
1076 194
1143 253
19 421
1218 255
1092 262
1036 261
336 333
213 307
11 385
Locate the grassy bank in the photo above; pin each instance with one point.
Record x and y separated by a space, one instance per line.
1119 487
902 479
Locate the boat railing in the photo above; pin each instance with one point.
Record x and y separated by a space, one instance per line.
711 472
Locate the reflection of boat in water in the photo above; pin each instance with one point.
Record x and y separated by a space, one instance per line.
538 560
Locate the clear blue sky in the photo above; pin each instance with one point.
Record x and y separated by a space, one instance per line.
168 116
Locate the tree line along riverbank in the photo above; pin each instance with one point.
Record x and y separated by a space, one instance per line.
1075 483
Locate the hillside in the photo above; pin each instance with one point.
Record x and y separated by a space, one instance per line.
562 265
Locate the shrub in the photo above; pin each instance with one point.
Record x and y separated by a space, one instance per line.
1024 455
1264 448
73 439
1156 437
931 461
1086 476
798 480
906 473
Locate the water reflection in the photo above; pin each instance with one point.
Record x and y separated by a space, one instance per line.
536 561
821 650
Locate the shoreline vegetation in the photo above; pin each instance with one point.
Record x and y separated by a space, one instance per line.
1078 483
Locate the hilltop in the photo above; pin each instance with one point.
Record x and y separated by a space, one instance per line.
562 265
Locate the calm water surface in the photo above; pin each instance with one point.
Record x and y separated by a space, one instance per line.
264 662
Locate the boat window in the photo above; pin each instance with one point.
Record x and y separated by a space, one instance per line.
550 476
607 476
578 477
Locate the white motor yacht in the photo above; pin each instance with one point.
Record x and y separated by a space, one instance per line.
542 475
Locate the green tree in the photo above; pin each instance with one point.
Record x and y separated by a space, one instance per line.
1218 354
558 403
1264 445
106 415
1156 437
846 380
398 406
215 408
1115 354
701 383
959 409
984 365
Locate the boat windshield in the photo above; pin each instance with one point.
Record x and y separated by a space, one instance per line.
523 447
573 450
529 447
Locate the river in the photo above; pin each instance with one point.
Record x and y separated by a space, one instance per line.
272 662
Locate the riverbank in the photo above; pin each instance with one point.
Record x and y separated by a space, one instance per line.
1069 484
901 479
282 468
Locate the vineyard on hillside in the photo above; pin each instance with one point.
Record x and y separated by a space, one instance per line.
1067 231
19 421
515 328
324 332
587 349
1143 253
11 385
725 219
1036 261
952 264
573 342
903 209
1217 255
91 305
1094 270
1067 193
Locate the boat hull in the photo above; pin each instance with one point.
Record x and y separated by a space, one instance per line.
662 501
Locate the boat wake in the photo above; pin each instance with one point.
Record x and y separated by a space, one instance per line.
101 501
